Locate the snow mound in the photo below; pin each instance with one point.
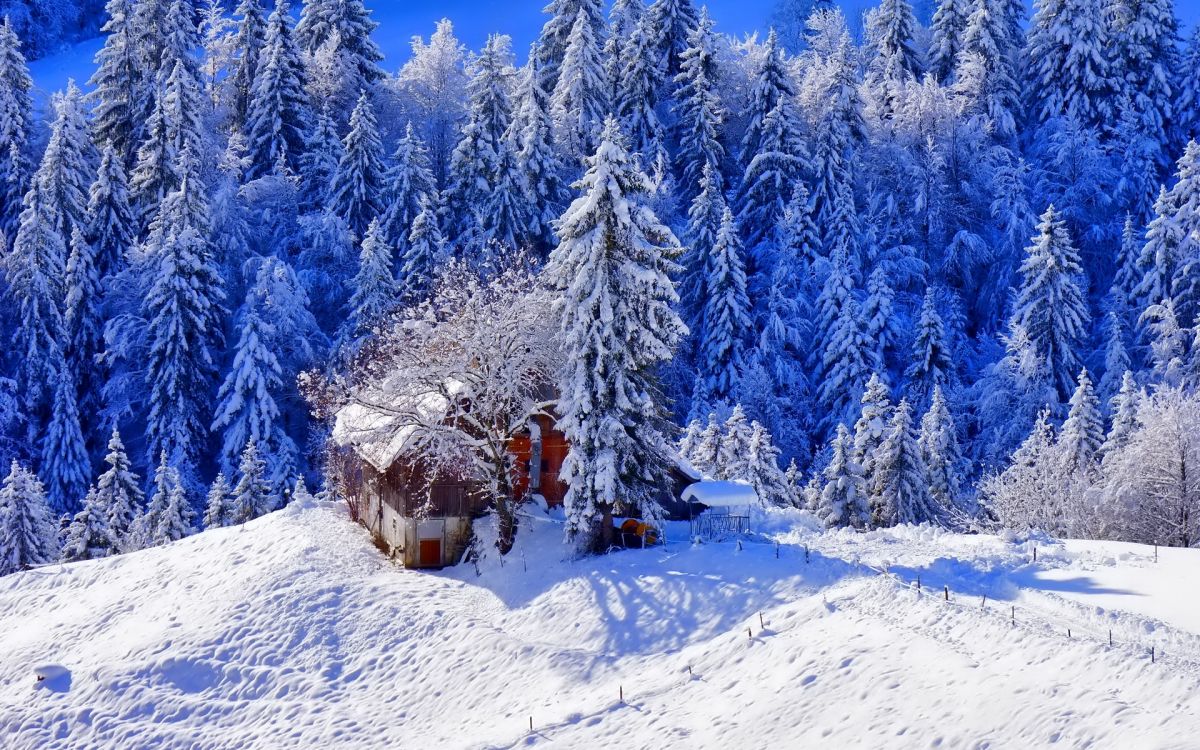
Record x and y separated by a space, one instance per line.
293 631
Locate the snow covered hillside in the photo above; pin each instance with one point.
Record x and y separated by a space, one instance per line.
293 631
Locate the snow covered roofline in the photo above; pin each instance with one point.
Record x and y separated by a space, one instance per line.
721 494
379 421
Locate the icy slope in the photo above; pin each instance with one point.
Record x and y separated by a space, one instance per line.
294 632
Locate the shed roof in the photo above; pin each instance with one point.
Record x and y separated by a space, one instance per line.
721 494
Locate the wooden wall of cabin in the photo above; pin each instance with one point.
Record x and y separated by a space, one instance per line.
553 452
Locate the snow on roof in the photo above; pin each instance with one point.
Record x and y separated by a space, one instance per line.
686 467
381 419
721 494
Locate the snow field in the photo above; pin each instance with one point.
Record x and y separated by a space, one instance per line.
293 631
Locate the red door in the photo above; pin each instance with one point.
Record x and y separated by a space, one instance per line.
429 553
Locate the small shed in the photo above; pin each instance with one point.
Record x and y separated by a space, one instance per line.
725 508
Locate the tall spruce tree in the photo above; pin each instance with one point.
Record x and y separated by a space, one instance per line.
727 323
699 113
277 112
249 41
843 498
119 84
673 21
28 536
1082 433
539 159
87 537
111 227
357 190
1050 304
375 292
940 454
613 268
580 96
932 365
900 494
409 181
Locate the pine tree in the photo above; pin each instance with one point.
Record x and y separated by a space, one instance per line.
506 218
762 468
183 310
1168 341
879 317
617 309
932 365
698 110
1116 359
1146 36
251 496
118 85
870 430
1083 432
277 112
1184 199
638 91
705 456
65 463
989 54
767 183
733 448
844 357
28 536
374 287
111 226
409 181
1070 72
704 222
35 269
169 517
772 85
949 22
580 99
1126 279
248 407
117 495
426 251
539 159
82 323
88 536
65 171
219 508
249 41
1050 304
843 499
358 184
1187 105
319 162
555 38
1125 421
173 127
673 20
940 453
1160 255
726 314
338 33
900 494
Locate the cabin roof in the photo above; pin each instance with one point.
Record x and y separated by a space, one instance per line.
721 494
378 422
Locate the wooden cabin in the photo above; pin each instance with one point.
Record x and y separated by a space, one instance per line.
387 493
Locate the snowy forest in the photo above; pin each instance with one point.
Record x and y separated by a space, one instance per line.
948 272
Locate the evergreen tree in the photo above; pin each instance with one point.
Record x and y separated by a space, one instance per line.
879 317
28 536
506 216
65 172
169 517
900 494
277 112
726 314
183 310
617 309
733 448
248 407
1146 33
252 496
767 183
762 469
989 55
844 359
843 499
173 127
219 509
539 159
358 184
638 91
1126 279
119 85
1070 67
374 287
65 463
870 430
319 162
337 34
949 22
35 269
1184 199
409 181
82 324
88 536
705 455
111 226
674 21
1187 105
1083 432
940 453
704 222
555 38
698 110
1116 359
580 99
772 85
1125 421
1050 304
1160 255
931 366
249 41
426 251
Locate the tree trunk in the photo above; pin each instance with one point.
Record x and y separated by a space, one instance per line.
507 522
606 528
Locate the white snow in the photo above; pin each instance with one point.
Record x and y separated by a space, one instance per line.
721 494
293 631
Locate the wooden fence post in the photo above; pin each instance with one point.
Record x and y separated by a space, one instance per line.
947 588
